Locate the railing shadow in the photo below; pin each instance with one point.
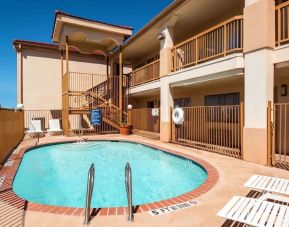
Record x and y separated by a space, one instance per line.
12 208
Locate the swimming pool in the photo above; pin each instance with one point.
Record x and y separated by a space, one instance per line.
57 174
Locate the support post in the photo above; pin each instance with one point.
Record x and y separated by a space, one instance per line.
165 91
129 116
65 94
120 86
19 75
259 76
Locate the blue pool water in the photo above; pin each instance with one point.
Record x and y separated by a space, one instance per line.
57 174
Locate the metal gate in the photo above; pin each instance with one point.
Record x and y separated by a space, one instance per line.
278 135
212 128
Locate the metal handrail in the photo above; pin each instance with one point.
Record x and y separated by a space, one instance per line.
128 185
90 184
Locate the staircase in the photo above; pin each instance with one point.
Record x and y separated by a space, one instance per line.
101 95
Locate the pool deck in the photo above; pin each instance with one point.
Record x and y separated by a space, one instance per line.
232 174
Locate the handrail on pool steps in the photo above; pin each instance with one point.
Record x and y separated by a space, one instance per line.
90 184
128 185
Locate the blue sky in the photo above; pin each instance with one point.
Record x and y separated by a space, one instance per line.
33 20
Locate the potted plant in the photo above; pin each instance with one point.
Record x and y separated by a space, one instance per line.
125 128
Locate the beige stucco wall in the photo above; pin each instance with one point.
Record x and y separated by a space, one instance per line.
141 102
278 82
197 93
42 76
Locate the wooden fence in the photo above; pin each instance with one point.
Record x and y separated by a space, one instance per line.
11 131
146 119
146 73
282 23
220 40
213 128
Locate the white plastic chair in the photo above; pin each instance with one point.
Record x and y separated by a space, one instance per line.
268 185
256 212
54 126
35 127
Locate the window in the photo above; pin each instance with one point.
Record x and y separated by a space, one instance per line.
182 102
222 99
221 108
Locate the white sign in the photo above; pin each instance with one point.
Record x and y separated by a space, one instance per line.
169 209
155 112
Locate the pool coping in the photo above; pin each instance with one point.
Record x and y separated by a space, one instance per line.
7 195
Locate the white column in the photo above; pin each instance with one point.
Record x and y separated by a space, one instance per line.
166 96
259 81
259 35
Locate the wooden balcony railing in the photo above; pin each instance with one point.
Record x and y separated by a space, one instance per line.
146 73
282 23
220 40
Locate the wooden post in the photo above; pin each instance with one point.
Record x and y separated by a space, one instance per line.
225 40
107 65
120 86
65 116
269 134
61 56
129 116
242 127
279 26
67 55
173 129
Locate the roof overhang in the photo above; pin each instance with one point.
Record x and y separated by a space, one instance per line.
87 35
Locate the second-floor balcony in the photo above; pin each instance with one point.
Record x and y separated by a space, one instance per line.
146 73
222 39
282 23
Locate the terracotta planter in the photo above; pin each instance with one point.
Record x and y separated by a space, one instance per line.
125 130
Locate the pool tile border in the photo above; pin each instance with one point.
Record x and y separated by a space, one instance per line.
8 196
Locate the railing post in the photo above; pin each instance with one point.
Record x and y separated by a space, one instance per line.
129 116
269 134
225 39
128 184
279 26
90 184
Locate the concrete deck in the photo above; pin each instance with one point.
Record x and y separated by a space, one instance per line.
232 175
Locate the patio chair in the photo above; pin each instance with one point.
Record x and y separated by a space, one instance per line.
54 126
35 128
255 212
268 185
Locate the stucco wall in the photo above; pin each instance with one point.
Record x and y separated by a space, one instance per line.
42 76
198 93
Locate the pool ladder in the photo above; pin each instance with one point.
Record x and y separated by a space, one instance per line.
90 184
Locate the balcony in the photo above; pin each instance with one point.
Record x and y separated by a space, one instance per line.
147 73
282 24
221 40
